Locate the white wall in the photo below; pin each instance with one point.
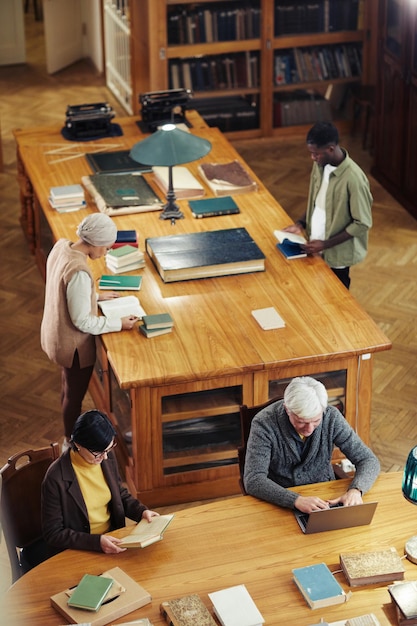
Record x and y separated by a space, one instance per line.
12 33
92 42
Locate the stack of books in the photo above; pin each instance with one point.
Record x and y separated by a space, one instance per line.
157 324
124 259
126 237
404 598
67 198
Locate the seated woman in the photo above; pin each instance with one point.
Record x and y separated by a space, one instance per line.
291 444
82 494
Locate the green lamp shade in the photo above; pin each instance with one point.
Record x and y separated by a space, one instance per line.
170 146
410 477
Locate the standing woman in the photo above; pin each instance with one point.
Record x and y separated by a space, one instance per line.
70 318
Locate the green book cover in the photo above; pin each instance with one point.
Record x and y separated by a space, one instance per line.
117 253
158 320
119 190
90 592
212 207
120 282
154 332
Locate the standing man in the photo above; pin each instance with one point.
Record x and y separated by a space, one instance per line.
338 215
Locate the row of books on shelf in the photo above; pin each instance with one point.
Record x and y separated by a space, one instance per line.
317 63
223 71
213 22
300 108
295 17
229 113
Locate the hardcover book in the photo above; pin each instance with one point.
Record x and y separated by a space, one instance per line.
121 194
158 320
212 207
404 595
154 332
120 283
234 606
187 611
226 179
366 568
184 182
117 161
205 254
90 592
145 533
291 249
318 586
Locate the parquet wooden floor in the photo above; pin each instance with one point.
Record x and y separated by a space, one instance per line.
385 283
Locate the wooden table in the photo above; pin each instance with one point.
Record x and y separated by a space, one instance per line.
236 541
217 357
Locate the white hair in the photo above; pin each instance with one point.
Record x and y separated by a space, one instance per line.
305 397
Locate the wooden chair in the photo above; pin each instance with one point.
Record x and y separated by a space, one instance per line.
247 413
20 512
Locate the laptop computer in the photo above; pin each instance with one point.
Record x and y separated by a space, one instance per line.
336 517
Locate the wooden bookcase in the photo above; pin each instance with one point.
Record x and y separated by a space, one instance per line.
153 55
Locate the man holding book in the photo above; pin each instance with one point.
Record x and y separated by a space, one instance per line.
291 443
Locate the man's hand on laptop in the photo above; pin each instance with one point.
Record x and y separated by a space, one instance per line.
307 504
351 497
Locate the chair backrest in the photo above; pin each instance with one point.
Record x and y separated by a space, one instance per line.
247 413
20 510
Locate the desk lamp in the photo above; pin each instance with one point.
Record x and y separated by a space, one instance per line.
170 146
410 493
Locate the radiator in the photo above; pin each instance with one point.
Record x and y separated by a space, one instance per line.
117 47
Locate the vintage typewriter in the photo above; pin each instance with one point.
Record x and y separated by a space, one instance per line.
163 107
89 120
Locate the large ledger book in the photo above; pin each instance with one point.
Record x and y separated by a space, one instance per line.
145 533
184 183
120 194
205 254
115 162
186 611
318 586
367 568
90 592
404 596
234 606
226 179
132 596
213 207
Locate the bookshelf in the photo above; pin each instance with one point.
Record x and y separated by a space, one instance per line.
249 62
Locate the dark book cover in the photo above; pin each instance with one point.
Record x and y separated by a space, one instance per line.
126 236
120 190
291 249
205 254
212 207
117 161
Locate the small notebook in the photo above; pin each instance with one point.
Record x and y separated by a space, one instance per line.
268 318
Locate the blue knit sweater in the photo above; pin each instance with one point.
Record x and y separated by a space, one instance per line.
275 460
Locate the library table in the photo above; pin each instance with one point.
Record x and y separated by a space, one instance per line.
179 394
229 542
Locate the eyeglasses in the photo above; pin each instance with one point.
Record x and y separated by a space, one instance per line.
98 455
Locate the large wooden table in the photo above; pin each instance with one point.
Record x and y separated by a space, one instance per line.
217 357
235 541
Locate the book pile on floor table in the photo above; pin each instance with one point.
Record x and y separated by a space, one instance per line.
157 324
124 259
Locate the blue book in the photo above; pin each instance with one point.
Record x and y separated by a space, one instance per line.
291 249
318 586
126 236
205 254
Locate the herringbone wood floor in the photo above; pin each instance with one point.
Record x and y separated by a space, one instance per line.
385 284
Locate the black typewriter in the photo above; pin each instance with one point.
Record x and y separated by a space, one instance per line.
163 107
89 120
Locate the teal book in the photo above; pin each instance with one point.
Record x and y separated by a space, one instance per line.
154 332
119 190
120 282
318 586
205 254
213 207
90 592
158 320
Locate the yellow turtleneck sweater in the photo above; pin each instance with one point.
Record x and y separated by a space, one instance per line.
96 493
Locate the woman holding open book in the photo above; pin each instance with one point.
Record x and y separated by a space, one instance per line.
82 494
70 320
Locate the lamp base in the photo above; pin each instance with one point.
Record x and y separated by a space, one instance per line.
171 211
411 549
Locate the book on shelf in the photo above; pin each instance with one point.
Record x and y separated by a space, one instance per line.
90 592
205 254
376 566
234 606
268 318
131 596
318 586
121 194
213 207
158 320
126 237
186 611
404 596
184 182
226 179
122 307
120 283
145 533
115 162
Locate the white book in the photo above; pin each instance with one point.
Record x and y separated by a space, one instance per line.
268 318
67 192
184 182
234 606
122 307
294 237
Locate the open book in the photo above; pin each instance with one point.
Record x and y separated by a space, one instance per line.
290 244
122 307
145 533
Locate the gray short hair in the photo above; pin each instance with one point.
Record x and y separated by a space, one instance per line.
305 397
